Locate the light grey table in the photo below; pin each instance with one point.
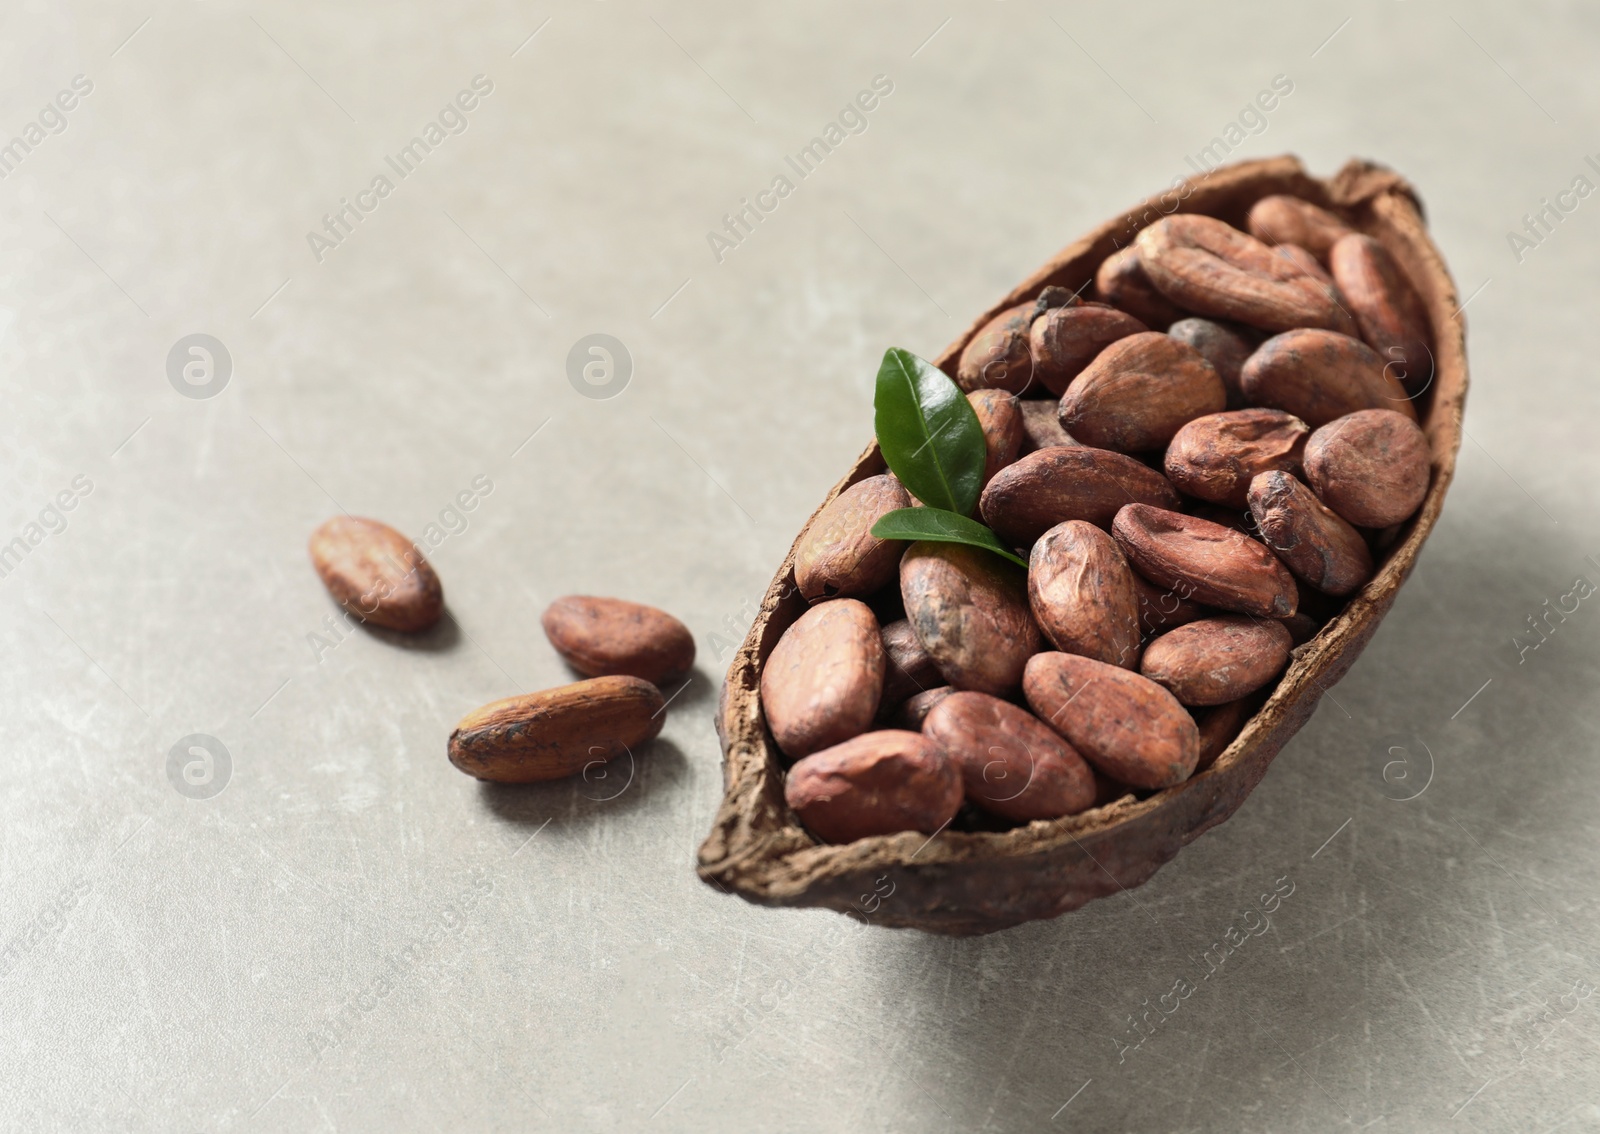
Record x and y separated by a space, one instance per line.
352 935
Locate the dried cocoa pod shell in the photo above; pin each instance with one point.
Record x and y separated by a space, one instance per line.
1281 219
1205 562
1163 608
1067 339
1041 425
1370 467
1121 282
1213 269
558 732
1318 546
874 784
1215 457
376 573
1001 422
1126 725
916 708
1138 392
997 358
1386 308
1218 726
908 670
1321 375
599 637
1217 660
1083 595
969 609
1011 764
1043 489
838 556
1225 346
822 684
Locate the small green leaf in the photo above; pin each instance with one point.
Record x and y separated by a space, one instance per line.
941 526
928 432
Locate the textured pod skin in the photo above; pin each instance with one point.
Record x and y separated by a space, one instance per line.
1225 346
376 573
876 784
1217 660
997 358
1083 595
1308 536
1041 425
1213 269
1319 376
558 732
1126 725
1205 562
1140 391
839 557
1122 282
600 637
1046 488
1386 308
1001 422
1011 764
1216 457
969 609
1064 340
1281 219
1370 467
823 682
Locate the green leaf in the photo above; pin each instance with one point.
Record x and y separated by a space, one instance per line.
928 432
941 526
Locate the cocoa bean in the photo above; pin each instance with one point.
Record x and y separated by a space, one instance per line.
1318 546
376 573
1217 660
1045 488
1321 375
1205 562
558 732
997 358
1001 422
1011 764
603 636
916 708
1371 467
1041 425
838 556
1082 593
1140 391
1386 307
1224 345
1162 608
878 783
823 680
1067 339
1121 282
1218 728
1215 457
969 609
908 670
1281 219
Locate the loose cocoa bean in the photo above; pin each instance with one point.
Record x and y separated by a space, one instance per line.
1140 391
1083 596
1126 725
1001 422
1321 375
823 680
997 358
1218 728
1045 488
1225 346
875 784
1121 282
1216 456
558 732
1067 339
1214 269
1386 307
838 556
599 637
1281 219
1205 562
917 707
1217 660
908 670
376 573
1041 425
1317 545
969 609
1370 467
1011 764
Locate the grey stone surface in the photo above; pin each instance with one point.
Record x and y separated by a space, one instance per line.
352 935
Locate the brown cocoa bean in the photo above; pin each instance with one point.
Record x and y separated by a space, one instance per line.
1318 546
1140 391
1218 728
1126 725
1217 660
376 573
1370 467
1205 562
1386 307
1121 282
1066 339
1162 608
1011 764
558 732
838 556
1048 487
997 358
875 784
1307 263
599 637
1213 269
908 670
1082 593
1224 346
1321 375
969 609
1001 423
1215 457
1041 425
823 680
1281 219
916 708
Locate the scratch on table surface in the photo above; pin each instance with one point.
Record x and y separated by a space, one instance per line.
1423 1004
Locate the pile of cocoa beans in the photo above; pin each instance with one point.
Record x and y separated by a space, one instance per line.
1199 465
